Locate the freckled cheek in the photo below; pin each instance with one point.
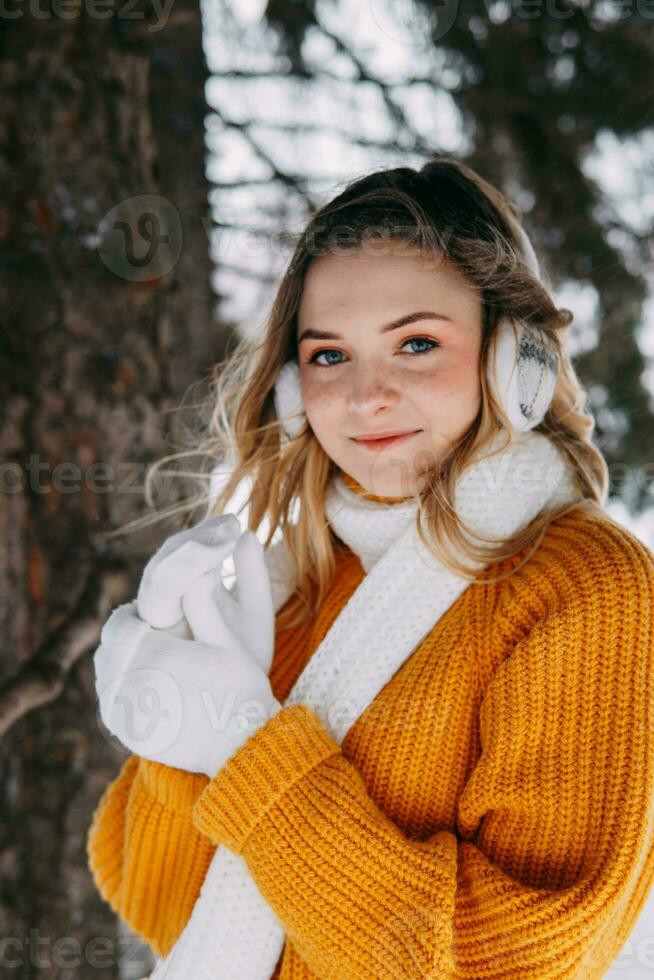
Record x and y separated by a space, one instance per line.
453 381
321 399
439 385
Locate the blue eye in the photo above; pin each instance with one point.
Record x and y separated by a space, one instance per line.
422 340
319 353
412 340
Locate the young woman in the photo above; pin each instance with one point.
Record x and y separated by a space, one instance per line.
416 739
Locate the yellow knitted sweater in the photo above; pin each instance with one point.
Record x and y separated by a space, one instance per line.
490 814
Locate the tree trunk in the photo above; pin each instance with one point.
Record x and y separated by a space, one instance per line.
107 320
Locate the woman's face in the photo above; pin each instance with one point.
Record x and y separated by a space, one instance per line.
389 340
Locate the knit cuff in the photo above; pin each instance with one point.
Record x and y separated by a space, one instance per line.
252 781
174 788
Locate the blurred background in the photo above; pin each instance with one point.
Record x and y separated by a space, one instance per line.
158 160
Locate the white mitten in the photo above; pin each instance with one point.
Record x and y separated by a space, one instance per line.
179 702
194 551
182 588
218 616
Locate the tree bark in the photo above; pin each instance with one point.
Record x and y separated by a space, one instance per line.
107 304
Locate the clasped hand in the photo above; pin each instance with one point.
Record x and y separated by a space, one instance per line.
182 672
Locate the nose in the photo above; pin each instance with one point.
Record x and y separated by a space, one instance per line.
371 389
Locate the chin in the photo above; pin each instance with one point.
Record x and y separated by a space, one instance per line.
387 485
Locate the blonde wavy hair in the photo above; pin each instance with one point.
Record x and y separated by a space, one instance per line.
444 209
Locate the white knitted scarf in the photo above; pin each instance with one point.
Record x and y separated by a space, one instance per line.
232 933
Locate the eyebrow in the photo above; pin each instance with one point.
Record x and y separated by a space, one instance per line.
310 334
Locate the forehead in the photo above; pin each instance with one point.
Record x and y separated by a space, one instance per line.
382 278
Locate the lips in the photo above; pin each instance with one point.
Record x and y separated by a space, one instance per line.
387 434
382 442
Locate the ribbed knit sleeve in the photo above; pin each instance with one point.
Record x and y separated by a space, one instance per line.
106 835
146 856
555 824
